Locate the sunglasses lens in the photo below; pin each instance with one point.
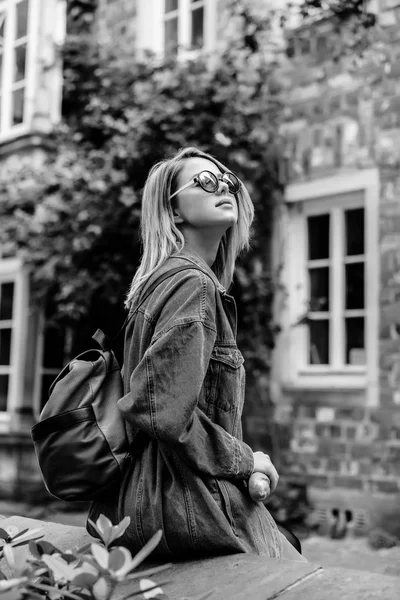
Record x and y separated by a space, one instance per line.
232 182
208 181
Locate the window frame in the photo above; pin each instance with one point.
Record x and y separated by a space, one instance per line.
40 370
12 270
346 191
336 263
150 30
7 129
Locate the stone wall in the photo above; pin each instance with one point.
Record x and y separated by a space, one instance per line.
342 118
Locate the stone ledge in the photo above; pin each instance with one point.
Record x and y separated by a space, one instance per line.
238 576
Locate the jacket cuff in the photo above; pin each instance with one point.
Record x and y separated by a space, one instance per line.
243 460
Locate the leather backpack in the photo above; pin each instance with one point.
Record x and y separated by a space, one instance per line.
80 439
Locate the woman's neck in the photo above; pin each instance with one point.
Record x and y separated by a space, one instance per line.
205 246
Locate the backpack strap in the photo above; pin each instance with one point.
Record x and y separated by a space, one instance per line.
101 339
148 292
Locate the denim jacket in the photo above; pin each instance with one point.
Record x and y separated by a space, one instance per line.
184 391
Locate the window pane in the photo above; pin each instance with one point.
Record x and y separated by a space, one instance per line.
2 25
322 47
53 353
5 346
318 237
355 286
170 5
18 106
319 289
171 36
304 45
19 62
47 380
3 392
319 342
6 301
22 19
354 221
197 28
355 344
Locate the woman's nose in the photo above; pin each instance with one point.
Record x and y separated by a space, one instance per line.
223 187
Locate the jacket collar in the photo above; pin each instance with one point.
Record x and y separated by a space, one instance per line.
192 256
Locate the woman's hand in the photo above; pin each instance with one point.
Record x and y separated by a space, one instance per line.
263 464
259 487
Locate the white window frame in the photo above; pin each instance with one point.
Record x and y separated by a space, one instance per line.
8 130
150 31
12 270
40 369
336 194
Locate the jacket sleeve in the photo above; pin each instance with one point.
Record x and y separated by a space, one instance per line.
165 387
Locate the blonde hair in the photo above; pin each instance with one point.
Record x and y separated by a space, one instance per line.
161 237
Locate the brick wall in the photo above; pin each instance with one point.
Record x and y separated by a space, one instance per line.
345 447
339 119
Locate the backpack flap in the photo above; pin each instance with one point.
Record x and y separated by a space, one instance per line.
80 440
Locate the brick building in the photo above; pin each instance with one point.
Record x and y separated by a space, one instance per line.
30 103
336 366
336 374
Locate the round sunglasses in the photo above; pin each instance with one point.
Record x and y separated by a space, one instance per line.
209 182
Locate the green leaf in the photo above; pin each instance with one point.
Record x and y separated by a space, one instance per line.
103 523
21 533
101 589
85 580
140 592
59 568
118 558
42 547
49 588
3 534
147 572
9 555
101 555
147 549
84 549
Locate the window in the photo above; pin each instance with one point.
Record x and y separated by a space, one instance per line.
7 325
336 326
183 25
177 27
171 16
330 319
13 317
197 24
15 17
50 359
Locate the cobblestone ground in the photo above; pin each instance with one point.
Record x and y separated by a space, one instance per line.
350 553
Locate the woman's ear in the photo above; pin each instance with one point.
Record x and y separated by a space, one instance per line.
178 220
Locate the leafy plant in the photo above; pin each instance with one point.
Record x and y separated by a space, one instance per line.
92 572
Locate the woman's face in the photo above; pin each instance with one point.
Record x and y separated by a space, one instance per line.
199 209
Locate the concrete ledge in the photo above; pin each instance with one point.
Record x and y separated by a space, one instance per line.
238 576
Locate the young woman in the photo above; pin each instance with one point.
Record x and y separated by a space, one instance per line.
184 375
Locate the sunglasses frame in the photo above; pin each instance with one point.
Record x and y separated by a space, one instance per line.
196 181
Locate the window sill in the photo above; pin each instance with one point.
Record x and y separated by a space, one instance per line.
335 380
350 371
4 422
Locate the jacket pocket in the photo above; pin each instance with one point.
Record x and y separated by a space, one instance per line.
225 378
225 503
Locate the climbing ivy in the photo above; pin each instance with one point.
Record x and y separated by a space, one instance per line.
74 220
